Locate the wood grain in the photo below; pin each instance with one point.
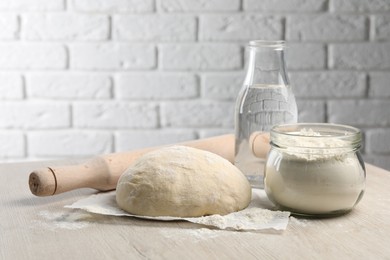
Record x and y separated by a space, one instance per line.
40 228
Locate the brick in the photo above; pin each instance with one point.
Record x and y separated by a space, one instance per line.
237 27
9 26
382 27
200 56
197 113
34 115
11 86
285 6
326 27
378 141
155 27
64 26
359 5
36 5
69 143
114 115
115 6
32 56
359 112
156 86
328 84
360 56
104 56
210 132
68 85
222 86
131 140
198 5
311 111
379 85
305 56
12 144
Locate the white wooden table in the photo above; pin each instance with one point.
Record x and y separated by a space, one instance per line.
41 228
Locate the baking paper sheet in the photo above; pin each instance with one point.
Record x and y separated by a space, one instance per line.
257 216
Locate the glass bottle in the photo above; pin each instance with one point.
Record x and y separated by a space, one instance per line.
265 99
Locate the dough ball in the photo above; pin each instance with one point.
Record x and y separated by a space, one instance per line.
182 181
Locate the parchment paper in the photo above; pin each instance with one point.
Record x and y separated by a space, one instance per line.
257 216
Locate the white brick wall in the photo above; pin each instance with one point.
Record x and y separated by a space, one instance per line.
12 144
360 5
84 77
76 85
111 56
152 27
114 115
360 112
34 115
360 56
39 26
32 6
156 86
306 56
195 56
32 55
198 5
68 143
379 85
329 84
136 139
111 6
11 86
238 27
9 24
326 27
285 6
194 113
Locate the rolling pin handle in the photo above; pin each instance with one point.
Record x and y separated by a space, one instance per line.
43 182
260 143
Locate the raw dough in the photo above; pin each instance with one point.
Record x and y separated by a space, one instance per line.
182 182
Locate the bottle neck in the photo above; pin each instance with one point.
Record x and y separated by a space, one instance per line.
266 64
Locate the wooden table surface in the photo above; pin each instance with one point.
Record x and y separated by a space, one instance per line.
41 228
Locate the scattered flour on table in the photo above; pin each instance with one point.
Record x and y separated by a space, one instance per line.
195 235
63 220
250 219
299 222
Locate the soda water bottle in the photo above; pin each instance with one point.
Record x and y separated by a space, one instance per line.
265 99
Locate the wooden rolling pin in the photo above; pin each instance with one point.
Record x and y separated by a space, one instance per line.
103 172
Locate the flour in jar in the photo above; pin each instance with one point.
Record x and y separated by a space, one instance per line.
314 174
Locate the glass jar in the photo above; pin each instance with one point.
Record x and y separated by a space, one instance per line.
265 99
315 169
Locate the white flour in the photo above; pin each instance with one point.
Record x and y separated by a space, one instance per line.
309 145
63 220
314 175
195 235
250 219
299 222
